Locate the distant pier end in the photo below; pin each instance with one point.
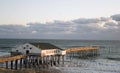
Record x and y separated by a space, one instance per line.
82 52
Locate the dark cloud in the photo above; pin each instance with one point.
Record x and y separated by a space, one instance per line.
12 29
86 21
111 25
94 28
104 19
116 17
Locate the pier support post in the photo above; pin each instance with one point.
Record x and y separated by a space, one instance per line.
29 62
93 53
25 63
11 64
47 61
51 60
6 64
20 63
55 60
43 62
16 63
96 52
40 60
58 59
63 59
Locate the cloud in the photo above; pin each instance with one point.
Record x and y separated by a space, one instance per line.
116 17
85 21
34 32
82 28
111 25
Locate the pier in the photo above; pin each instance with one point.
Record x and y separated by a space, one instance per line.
82 52
31 61
44 61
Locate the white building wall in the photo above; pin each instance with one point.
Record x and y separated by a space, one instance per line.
51 52
63 52
25 47
33 49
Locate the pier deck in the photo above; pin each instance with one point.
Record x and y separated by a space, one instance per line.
28 61
82 52
80 49
11 58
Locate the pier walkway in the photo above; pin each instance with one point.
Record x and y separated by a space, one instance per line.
82 52
81 49
29 61
11 58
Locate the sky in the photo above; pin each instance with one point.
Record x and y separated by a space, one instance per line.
60 19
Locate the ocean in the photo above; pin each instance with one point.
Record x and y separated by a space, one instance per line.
107 62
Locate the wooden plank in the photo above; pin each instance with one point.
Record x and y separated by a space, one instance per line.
80 49
13 58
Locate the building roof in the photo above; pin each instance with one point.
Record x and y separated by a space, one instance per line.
44 46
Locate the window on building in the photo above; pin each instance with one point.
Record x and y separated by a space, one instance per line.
23 47
55 51
16 50
47 51
27 45
30 47
58 50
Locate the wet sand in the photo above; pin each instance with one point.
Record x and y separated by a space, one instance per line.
51 70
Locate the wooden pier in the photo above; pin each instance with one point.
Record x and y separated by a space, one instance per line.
11 58
42 61
31 61
82 52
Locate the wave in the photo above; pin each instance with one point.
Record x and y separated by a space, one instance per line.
110 58
6 47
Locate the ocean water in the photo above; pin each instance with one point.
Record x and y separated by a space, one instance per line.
107 62
107 48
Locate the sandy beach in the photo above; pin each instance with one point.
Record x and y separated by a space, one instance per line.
50 70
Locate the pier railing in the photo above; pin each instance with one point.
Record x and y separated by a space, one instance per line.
11 58
31 61
82 52
80 49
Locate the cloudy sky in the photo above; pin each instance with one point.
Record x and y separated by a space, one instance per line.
60 19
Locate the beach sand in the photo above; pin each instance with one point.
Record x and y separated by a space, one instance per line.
51 70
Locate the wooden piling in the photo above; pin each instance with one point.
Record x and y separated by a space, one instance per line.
58 59
40 60
11 64
20 63
55 59
63 59
16 64
28 62
52 59
25 63
6 64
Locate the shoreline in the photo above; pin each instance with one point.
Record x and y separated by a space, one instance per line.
50 70
75 66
